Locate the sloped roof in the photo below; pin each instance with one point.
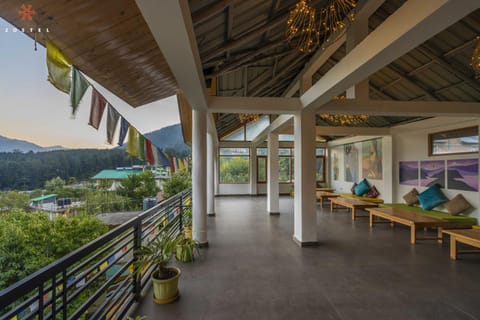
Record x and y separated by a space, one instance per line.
108 40
45 197
115 174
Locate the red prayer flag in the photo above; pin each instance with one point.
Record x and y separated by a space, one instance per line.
148 151
96 109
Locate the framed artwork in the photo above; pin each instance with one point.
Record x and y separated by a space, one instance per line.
350 163
462 174
336 167
408 173
372 159
432 172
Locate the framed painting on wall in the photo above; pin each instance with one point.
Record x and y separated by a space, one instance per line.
372 159
408 173
350 162
432 172
462 174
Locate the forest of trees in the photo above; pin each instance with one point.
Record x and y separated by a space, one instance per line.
28 171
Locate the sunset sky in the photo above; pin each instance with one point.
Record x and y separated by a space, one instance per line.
33 110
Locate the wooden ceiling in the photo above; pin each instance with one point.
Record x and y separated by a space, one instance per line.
108 40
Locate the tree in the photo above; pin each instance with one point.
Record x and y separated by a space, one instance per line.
139 186
178 182
29 241
54 184
13 200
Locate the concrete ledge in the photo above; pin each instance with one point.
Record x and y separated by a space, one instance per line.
304 244
274 213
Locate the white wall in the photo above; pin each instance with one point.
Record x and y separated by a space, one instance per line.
410 143
342 186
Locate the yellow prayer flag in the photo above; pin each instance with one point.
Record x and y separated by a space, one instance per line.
181 166
59 68
132 145
104 266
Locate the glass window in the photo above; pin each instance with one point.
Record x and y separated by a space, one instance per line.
285 152
262 169
455 141
284 169
286 137
234 165
262 152
253 129
237 135
320 152
320 174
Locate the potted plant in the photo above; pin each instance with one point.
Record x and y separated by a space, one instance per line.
186 249
187 222
165 279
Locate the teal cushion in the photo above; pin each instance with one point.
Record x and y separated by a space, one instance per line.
431 198
362 188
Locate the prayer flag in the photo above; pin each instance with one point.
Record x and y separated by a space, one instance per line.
141 147
132 142
172 164
79 87
112 121
163 160
124 125
96 110
59 68
149 152
181 166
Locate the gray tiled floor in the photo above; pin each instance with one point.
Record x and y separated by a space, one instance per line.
254 270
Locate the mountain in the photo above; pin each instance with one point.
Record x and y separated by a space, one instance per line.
10 145
170 139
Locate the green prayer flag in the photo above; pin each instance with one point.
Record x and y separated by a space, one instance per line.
79 87
141 147
59 68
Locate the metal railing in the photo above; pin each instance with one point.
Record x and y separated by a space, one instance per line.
96 281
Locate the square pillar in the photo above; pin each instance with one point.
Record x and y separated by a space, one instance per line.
273 201
210 175
305 209
199 176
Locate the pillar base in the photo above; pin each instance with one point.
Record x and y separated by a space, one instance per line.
203 245
211 214
304 244
274 213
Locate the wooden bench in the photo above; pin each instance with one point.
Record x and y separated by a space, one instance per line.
470 237
352 204
414 221
325 195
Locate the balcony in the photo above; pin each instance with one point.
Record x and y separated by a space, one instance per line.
253 270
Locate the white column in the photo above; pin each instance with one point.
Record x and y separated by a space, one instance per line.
199 177
210 175
253 171
273 205
305 210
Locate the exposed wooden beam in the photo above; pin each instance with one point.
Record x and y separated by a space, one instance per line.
171 25
351 131
412 24
211 10
258 105
291 65
403 108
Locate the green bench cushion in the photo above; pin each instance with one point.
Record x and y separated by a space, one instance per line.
349 195
431 213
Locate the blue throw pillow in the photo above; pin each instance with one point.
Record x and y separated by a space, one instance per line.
362 188
431 198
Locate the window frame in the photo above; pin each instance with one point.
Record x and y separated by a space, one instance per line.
264 158
431 140
230 156
324 168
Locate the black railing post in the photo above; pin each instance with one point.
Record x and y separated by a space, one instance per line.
180 225
64 294
137 243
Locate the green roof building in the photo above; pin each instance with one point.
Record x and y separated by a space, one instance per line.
117 174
